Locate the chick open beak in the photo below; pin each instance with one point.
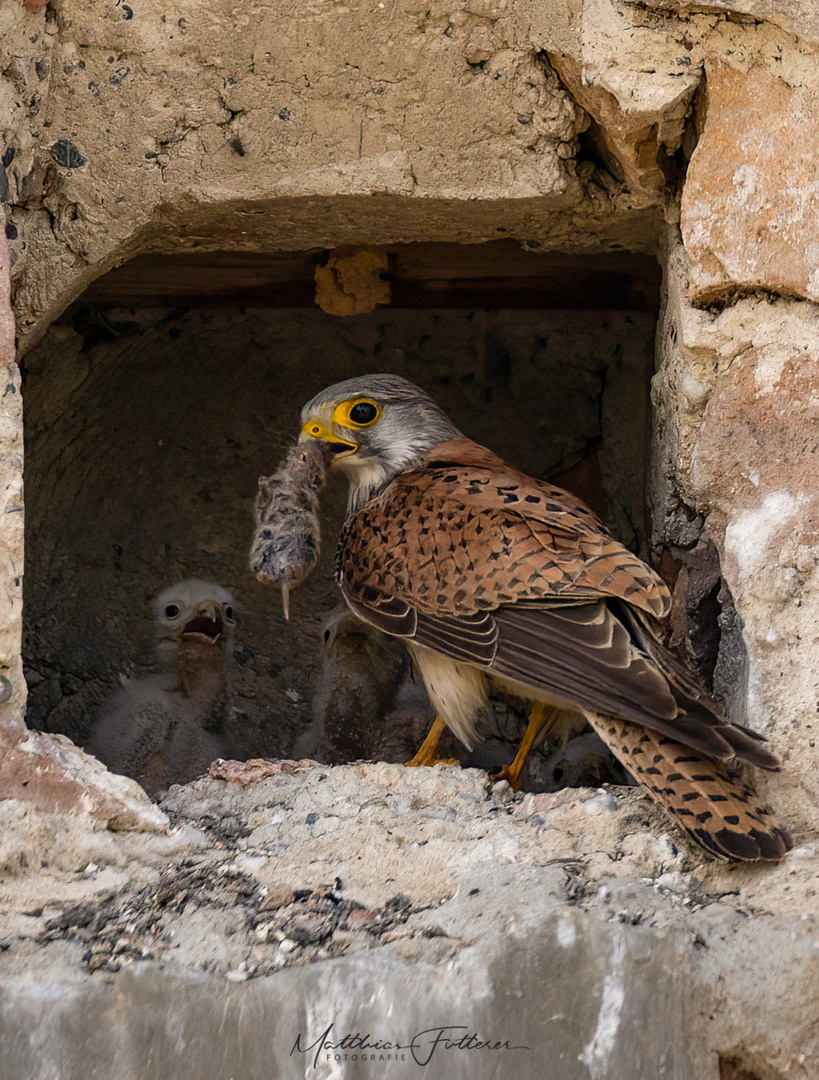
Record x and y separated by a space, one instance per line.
204 629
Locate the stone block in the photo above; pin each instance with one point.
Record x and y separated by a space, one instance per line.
140 119
750 206
738 422
53 774
636 81
798 17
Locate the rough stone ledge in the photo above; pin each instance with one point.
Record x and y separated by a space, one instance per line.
53 774
390 901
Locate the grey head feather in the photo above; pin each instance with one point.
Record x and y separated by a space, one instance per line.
410 425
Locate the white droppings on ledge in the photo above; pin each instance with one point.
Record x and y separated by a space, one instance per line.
751 533
696 393
566 934
770 638
597 1051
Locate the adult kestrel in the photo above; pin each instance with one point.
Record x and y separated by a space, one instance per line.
491 575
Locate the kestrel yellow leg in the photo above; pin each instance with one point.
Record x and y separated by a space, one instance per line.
542 716
428 750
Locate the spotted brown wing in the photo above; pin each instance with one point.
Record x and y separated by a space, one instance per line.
461 536
485 565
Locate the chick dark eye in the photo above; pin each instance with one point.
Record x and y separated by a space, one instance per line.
171 611
229 613
364 412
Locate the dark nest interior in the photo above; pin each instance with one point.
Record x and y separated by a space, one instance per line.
155 403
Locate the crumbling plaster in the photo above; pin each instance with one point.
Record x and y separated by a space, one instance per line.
12 690
133 129
799 17
737 409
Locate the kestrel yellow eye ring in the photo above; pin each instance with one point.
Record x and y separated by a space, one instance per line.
357 413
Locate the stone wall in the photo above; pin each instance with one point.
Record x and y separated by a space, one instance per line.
678 129
737 407
135 129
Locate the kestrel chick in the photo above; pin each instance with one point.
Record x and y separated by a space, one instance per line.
166 728
287 542
362 672
492 576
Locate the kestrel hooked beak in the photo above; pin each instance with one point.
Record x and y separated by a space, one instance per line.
491 576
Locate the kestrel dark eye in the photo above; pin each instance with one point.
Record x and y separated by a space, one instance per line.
229 613
171 611
363 412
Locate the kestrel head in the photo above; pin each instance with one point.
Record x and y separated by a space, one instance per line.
375 427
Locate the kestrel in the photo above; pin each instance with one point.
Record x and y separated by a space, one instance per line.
491 576
167 728
363 674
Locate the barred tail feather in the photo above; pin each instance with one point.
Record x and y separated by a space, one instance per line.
718 811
